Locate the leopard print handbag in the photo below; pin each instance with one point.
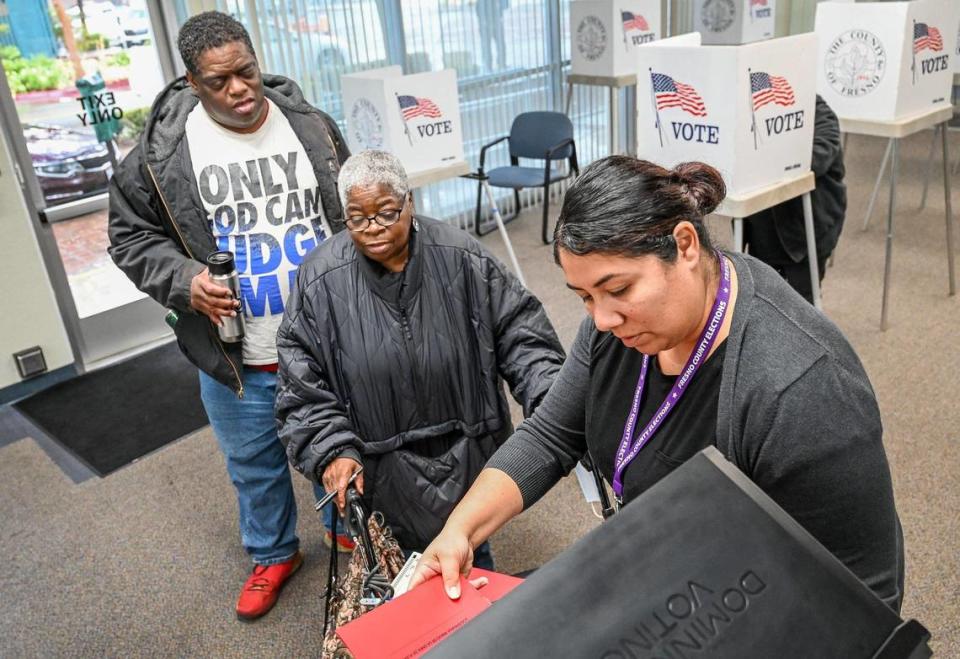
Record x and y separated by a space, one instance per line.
344 601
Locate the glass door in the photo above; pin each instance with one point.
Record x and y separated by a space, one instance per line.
80 77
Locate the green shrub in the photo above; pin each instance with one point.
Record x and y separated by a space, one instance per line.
90 41
120 59
11 60
35 74
133 123
13 64
16 85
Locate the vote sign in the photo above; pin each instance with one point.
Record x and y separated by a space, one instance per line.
734 22
747 110
886 60
416 117
605 35
956 54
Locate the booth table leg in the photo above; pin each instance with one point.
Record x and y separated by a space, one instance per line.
926 174
614 121
812 251
894 152
876 187
503 232
949 208
738 234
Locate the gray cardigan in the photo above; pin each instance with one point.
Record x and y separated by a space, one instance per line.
796 414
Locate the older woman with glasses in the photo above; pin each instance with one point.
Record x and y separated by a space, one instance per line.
392 353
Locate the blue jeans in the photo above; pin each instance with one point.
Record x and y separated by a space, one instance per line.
256 462
482 555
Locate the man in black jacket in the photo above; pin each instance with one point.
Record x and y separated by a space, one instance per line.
777 237
231 160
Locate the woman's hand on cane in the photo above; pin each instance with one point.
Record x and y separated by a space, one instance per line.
336 478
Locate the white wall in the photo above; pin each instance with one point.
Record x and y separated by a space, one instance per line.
28 311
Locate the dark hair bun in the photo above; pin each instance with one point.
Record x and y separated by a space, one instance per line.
702 184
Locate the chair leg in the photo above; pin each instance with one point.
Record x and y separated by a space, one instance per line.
516 202
476 221
546 214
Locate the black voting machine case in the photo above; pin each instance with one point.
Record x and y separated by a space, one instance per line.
703 564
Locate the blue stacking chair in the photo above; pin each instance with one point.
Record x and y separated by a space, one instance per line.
546 136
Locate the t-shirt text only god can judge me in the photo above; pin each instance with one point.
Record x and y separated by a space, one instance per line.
261 198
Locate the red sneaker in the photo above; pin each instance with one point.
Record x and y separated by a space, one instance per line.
344 544
263 587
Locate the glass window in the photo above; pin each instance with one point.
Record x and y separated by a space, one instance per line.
82 74
509 56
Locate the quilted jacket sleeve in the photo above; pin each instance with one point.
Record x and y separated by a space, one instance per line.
529 354
140 244
312 423
548 445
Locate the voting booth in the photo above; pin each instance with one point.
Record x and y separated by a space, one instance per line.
886 60
956 54
734 22
703 564
416 117
605 35
746 110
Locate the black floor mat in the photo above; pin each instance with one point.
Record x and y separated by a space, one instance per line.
112 416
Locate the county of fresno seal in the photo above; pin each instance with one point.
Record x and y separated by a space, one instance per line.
366 124
591 38
855 63
718 15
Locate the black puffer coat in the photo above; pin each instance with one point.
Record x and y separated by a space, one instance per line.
409 375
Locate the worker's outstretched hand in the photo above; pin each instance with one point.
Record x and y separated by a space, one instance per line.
449 555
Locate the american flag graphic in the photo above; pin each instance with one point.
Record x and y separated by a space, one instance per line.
411 107
633 21
672 94
770 89
926 37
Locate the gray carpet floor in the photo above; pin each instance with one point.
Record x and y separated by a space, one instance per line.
147 561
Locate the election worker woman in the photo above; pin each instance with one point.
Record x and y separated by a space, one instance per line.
394 348
766 379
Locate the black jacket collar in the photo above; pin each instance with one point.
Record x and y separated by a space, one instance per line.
377 277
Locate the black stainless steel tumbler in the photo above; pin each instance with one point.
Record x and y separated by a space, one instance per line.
223 271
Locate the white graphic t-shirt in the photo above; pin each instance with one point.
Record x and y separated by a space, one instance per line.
262 202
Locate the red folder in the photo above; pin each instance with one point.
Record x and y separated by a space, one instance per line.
498 584
412 623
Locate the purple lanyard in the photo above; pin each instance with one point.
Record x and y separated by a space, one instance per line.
626 453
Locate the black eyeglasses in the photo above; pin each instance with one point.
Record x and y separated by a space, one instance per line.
385 219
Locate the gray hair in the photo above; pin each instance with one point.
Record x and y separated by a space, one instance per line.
373 168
